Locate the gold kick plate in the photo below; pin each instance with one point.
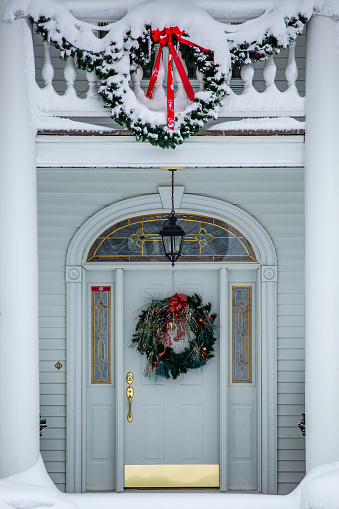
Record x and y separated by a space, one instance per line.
172 476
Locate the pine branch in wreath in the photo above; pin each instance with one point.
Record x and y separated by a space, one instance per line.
197 325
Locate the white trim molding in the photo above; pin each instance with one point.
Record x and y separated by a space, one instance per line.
76 277
198 151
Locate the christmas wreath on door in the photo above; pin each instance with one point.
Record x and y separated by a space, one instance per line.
176 334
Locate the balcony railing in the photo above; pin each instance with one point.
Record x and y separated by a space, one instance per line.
244 100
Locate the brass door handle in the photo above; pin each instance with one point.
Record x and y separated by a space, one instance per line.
129 394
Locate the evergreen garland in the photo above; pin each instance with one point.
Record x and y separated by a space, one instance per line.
42 424
302 424
114 65
198 328
245 53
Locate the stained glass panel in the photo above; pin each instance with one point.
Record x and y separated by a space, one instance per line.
137 240
101 334
242 334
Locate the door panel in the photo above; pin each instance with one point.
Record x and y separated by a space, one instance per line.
100 397
174 421
243 394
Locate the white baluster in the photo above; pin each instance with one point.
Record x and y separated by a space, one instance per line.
291 71
136 77
70 74
92 91
181 99
247 73
269 74
159 94
47 70
200 79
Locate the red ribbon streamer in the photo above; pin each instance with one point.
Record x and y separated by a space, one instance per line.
165 37
177 302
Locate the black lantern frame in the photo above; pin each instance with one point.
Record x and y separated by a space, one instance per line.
172 234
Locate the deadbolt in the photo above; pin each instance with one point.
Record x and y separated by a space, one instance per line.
129 378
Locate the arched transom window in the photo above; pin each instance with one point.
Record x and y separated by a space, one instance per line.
137 240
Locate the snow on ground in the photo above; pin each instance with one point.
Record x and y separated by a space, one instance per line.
258 124
33 489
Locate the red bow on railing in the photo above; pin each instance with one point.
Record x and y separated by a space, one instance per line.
165 37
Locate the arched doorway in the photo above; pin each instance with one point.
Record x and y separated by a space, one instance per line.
217 280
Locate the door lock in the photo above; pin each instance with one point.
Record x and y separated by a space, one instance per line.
129 378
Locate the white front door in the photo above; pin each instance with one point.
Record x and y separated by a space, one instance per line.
173 439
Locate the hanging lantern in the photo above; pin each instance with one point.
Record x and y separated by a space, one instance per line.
172 234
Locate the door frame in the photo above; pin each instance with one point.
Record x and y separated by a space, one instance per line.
76 268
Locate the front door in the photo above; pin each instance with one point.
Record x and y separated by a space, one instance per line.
173 438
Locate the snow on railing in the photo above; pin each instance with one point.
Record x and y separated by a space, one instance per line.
247 102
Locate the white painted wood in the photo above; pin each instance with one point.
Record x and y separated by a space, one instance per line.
70 74
176 422
291 71
99 461
321 211
125 152
47 70
244 423
166 196
268 294
120 381
74 277
19 354
92 93
247 73
86 235
269 75
223 338
290 104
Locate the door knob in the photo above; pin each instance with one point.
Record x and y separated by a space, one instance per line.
129 394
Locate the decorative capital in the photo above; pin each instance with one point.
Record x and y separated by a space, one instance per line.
74 274
269 273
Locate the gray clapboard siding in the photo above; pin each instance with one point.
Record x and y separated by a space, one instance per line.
54 377
291 343
68 197
47 332
54 456
291 376
297 455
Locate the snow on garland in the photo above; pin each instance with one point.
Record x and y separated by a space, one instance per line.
131 43
176 334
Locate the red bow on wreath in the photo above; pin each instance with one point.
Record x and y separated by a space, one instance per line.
177 302
165 37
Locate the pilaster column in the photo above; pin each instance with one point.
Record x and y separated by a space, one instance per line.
322 242
19 357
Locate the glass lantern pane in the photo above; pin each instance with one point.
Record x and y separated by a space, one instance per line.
177 243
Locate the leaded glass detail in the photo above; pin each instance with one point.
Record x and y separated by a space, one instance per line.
241 334
137 240
101 334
